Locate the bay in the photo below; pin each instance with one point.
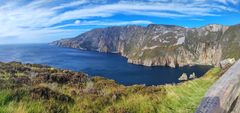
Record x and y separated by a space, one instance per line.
109 65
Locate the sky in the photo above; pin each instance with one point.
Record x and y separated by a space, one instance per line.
43 21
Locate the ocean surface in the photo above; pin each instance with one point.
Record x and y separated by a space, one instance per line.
108 65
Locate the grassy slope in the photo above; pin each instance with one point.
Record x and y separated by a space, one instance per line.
102 95
185 97
180 98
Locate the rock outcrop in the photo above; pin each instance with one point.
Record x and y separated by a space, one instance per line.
227 62
192 76
165 45
183 77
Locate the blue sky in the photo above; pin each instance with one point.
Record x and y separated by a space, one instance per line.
42 21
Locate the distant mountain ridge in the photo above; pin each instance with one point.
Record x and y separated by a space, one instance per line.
166 45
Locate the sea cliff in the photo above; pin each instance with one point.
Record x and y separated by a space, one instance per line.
166 45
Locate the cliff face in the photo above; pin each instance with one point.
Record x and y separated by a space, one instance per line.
165 45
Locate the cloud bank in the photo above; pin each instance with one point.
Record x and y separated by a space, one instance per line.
47 20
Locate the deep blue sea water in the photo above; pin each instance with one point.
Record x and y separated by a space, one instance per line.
108 65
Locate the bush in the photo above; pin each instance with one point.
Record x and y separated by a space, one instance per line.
46 93
56 107
5 97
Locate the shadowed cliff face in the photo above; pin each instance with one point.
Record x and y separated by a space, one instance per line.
165 45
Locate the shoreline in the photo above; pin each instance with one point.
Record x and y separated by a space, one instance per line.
92 76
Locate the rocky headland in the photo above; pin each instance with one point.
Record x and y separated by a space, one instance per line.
165 45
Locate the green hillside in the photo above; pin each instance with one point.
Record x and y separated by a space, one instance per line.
27 88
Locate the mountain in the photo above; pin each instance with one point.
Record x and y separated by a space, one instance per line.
166 45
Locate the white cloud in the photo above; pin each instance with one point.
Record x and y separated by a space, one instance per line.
235 2
105 23
37 18
71 4
77 22
146 9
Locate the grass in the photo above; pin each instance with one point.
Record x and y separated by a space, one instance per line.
100 95
180 98
185 97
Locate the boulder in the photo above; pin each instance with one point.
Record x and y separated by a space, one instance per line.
227 62
183 77
192 76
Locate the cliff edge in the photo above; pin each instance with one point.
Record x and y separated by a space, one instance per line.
165 45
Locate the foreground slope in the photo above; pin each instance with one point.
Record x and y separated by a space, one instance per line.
27 88
166 45
223 95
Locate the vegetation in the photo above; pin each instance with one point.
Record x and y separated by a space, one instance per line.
231 42
27 88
